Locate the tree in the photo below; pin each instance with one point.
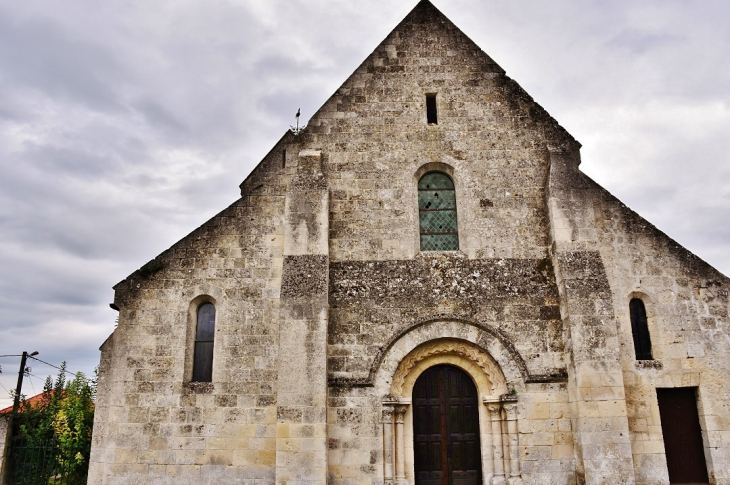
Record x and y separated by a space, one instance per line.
72 425
61 420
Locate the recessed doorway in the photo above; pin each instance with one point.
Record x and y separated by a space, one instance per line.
446 428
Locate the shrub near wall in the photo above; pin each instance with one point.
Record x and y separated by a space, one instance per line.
53 434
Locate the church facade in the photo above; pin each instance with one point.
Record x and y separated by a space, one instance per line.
420 287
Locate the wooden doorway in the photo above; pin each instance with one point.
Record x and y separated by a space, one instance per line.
682 435
446 428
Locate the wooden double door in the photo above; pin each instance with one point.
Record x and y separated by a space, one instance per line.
446 428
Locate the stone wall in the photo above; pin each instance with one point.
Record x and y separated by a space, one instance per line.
4 442
491 138
373 302
687 305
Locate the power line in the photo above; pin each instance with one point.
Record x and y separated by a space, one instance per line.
54 366
39 378
39 360
31 383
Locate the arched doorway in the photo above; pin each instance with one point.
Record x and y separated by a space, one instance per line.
446 428
497 409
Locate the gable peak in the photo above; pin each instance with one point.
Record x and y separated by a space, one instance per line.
425 11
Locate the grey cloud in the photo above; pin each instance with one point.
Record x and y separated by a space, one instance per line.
641 41
159 116
41 55
125 125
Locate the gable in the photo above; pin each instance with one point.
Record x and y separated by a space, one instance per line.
427 52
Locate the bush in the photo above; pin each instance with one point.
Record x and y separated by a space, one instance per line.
62 418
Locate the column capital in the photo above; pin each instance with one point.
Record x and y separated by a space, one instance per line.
494 408
510 410
400 412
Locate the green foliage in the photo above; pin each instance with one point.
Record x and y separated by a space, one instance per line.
64 416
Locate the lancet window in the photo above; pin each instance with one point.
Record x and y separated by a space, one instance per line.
640 329
204 333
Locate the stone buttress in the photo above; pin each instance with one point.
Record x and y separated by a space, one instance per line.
301 429
595 382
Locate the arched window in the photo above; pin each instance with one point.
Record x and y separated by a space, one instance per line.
640 330
203 354
437 213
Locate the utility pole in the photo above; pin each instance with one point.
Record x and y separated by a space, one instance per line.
12 422
21 373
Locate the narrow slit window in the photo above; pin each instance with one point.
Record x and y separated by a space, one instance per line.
431 109
437 213
640 330
283 159
204 334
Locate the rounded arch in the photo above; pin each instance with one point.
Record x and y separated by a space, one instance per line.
201 300
199 294
484 338
433 167
477 364
645 298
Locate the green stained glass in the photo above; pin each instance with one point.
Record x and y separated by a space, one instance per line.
443 242
435 180
436 199
437 213
438 222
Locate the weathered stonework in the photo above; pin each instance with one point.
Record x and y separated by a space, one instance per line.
327 311
4 442
373 301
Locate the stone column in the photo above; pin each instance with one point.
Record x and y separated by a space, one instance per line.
487 446
400 444
495 416
505 446
301 431
510 411
388 448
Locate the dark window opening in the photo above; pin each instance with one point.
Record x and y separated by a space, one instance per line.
431 109
204 334
283 159
640 330
437 213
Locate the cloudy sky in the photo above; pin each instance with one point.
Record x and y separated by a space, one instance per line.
125 124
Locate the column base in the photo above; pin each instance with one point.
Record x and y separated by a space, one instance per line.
498 479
